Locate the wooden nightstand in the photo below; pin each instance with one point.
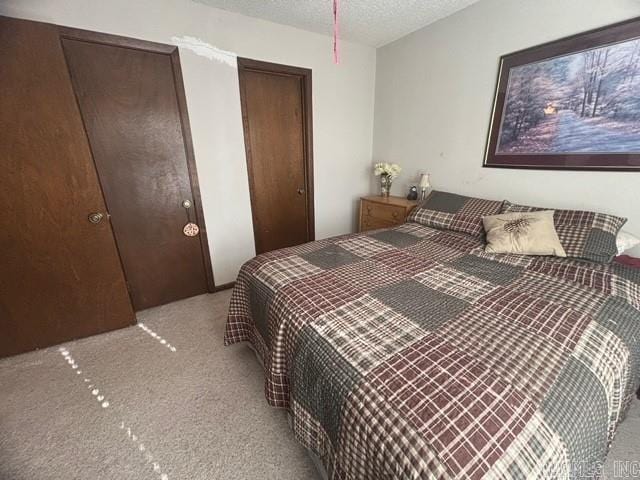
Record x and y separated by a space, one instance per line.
382 212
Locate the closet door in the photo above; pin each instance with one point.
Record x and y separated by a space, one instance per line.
136 120
276 114
60 274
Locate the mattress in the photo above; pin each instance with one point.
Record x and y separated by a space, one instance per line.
411 353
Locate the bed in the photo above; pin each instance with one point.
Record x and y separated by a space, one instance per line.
412 353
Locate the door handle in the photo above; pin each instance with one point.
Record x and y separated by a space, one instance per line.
96 217
300 191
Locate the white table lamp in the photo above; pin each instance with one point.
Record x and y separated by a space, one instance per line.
424 184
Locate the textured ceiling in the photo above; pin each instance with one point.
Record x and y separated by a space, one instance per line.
372 22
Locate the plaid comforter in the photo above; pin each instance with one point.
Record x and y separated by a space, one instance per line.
411 353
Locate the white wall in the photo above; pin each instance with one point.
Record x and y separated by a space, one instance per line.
434 92
342 106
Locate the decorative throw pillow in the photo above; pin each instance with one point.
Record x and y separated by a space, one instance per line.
586 235
448 211
525 233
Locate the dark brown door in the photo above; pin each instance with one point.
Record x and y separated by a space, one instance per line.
276 113
132 115
60 275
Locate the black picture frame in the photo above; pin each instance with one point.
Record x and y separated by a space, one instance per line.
583 43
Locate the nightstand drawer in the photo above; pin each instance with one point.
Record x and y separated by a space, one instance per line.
371 223
387 213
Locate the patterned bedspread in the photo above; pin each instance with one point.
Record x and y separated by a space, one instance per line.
411 353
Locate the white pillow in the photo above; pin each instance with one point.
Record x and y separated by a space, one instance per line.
626 241
525 233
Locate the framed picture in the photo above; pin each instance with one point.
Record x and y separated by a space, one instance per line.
572 104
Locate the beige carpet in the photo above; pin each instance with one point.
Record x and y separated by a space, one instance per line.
187 408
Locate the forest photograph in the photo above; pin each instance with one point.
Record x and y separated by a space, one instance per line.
585 102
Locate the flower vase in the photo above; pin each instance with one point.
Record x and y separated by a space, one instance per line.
385 185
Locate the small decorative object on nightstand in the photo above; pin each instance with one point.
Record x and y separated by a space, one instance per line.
383 212
387 173
424 184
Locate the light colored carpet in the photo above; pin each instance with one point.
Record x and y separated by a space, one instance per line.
196 413
199 412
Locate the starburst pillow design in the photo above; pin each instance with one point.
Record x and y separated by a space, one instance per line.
525 233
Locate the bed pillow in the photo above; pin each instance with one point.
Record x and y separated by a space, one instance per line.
524 233
626 241
586 235
449 211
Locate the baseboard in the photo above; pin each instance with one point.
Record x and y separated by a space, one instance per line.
223 286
